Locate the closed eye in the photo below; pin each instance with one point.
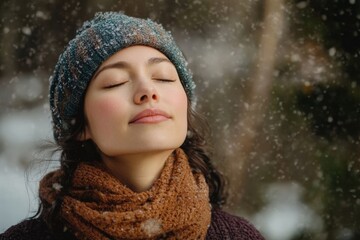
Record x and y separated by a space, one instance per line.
114 85
165 80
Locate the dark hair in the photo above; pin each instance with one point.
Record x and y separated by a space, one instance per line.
195 146
74 151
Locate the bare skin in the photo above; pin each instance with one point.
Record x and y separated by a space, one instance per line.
138 172
136 111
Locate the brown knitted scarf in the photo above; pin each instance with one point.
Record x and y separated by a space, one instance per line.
98 206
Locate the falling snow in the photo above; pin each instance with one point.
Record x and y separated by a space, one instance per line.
151 226
286 133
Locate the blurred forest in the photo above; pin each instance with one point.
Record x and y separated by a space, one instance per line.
277 80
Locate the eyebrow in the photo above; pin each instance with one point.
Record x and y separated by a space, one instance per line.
156 60
125 65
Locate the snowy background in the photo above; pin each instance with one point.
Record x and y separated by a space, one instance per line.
277 80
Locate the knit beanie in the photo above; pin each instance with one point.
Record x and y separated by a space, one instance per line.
96 41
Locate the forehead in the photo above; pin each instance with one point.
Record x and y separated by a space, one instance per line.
133 56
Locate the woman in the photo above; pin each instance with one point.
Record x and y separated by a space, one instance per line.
133 165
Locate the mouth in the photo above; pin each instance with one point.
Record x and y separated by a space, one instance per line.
150 116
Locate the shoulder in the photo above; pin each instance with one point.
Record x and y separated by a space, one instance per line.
227 226
28 229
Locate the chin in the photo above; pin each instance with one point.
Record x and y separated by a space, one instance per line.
161 142
156 146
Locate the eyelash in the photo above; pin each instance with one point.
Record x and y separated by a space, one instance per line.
158 79
165 80
114 85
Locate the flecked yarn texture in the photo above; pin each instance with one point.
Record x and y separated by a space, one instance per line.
95 42
98 206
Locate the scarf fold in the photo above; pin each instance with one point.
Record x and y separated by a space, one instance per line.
98 206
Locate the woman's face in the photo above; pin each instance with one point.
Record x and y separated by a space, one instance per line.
136 104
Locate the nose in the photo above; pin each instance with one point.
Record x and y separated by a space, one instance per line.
146 93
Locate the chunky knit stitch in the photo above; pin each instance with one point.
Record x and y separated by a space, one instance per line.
95 42
223 227
98 206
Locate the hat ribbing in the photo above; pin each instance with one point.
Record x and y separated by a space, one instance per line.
96 41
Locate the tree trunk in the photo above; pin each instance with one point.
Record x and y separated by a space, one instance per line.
257 100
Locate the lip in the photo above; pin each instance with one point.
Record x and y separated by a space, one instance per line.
150 116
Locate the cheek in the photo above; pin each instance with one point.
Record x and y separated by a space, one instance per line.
100 108
180 102
101 112
183 105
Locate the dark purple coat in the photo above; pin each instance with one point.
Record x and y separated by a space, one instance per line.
223 226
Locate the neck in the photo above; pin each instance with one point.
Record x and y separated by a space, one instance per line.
137 171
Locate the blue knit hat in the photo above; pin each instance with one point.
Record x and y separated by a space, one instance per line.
95 42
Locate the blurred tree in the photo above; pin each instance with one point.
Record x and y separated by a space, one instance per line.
332 108
282 109
256 101
333 111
